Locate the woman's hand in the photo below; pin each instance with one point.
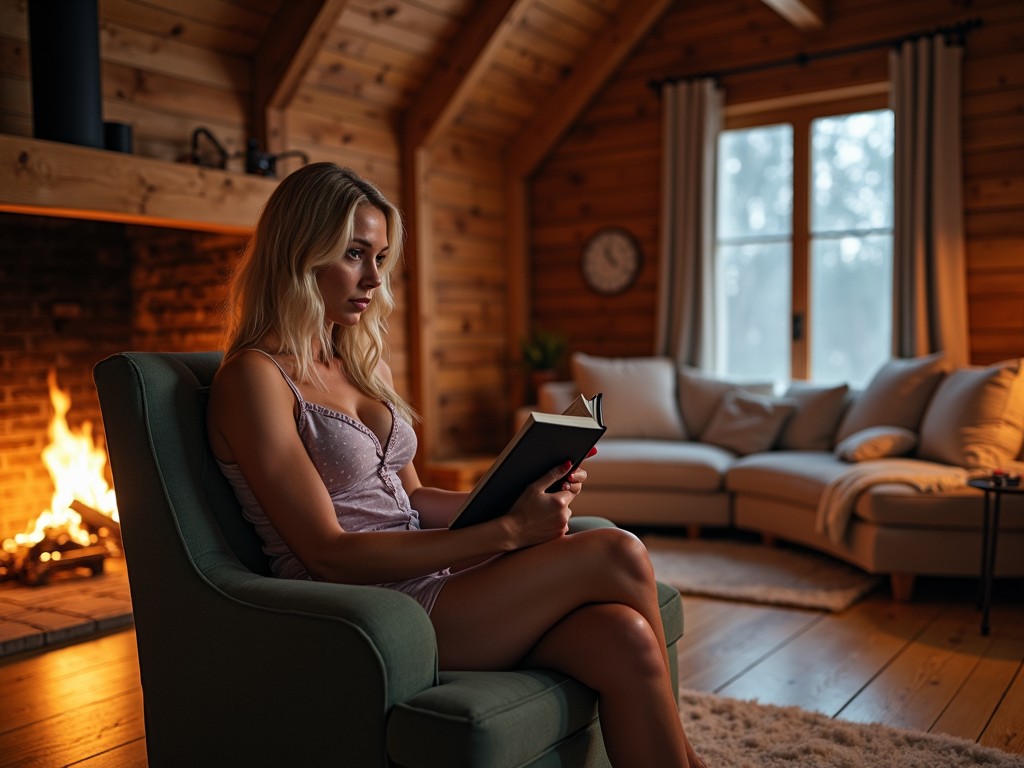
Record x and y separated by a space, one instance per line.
539 516
574 482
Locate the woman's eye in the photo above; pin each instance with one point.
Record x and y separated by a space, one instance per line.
381 258
355 253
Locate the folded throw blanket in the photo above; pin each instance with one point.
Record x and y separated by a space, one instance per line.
835 508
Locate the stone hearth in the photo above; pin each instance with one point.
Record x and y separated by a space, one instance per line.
71 607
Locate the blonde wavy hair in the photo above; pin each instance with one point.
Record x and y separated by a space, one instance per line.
274 296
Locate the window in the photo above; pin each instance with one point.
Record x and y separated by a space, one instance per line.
803 261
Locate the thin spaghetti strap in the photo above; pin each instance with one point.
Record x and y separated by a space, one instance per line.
287 378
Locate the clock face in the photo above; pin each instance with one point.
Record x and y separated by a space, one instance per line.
611 261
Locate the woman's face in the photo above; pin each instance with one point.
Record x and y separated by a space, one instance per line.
347 283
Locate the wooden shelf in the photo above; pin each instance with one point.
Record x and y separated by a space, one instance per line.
48 178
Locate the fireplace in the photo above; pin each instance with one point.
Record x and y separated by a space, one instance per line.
75 291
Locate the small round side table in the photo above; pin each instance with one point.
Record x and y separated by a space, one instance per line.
990 532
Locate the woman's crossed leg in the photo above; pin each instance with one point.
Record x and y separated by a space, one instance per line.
586 605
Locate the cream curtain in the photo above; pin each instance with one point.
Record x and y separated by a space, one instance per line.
692 121
929 273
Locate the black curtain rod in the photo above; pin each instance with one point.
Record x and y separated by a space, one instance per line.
958 31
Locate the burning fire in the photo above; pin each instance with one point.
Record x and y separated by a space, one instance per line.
76 467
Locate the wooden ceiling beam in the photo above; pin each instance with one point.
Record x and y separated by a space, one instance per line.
458 70
294 37
806 15
605 53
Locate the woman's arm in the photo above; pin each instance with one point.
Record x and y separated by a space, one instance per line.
435 505
251 423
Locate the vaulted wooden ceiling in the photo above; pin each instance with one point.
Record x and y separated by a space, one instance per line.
508 70
513 71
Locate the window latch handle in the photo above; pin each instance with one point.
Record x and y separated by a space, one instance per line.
798 326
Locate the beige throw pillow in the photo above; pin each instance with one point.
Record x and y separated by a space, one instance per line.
700 393
896 396
876 443
818 410
639 394
976 417
747 423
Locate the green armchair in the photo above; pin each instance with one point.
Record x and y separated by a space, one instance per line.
239 668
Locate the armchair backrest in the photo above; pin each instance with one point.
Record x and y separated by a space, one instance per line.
239 668
154 414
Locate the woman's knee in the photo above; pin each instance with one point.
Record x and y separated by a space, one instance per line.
618 551
630 641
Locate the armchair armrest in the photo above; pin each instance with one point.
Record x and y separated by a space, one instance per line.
385 623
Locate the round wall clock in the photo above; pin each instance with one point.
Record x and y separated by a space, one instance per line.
611 261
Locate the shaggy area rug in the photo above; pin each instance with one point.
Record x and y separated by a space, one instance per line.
756 573
729 733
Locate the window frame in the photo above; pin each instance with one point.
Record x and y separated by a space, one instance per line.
800 116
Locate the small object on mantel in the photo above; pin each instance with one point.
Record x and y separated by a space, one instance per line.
117 137
263 163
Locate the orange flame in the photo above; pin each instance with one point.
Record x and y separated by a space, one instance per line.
76 467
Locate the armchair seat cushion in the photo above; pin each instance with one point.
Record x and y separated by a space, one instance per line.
495 719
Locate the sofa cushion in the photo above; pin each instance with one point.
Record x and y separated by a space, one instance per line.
667 465
976 417
639 394
876 443
900 506
812 426
798 477
897 395
747 423
700 394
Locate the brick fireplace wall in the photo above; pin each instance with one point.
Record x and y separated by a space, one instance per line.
73 292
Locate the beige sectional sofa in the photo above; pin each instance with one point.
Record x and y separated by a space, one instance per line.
876 477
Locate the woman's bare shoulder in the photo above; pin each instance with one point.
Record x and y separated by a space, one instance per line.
248 373
250 401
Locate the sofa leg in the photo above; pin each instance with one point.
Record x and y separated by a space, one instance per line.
693 531
902 586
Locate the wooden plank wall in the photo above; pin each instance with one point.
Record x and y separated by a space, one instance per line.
607 171
467 363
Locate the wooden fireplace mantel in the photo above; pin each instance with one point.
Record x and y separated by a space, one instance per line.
48 178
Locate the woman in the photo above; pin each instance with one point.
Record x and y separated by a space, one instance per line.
306 424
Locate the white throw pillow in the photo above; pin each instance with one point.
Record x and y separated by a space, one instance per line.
747 423
639 394
976 417
812 426
897 396
700 393
876 443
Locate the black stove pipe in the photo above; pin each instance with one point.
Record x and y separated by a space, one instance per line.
65 57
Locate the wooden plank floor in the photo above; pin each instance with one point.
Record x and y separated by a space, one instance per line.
922 665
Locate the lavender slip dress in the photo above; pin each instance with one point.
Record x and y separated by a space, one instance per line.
361 477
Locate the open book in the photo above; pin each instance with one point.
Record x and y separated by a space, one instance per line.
544 441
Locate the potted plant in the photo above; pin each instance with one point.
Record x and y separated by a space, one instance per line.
542 354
